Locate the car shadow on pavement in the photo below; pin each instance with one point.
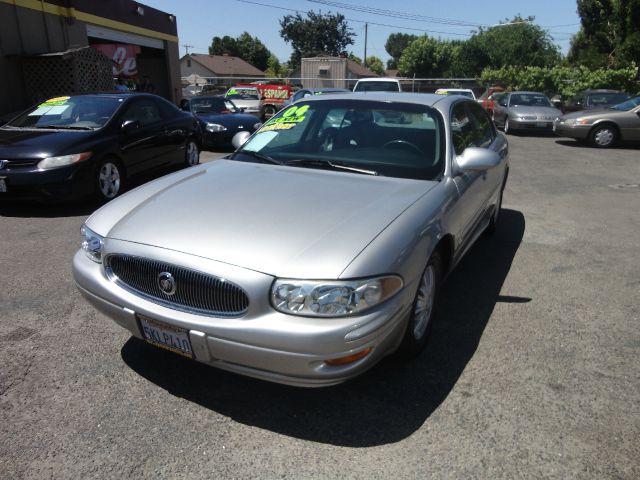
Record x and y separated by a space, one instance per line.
386 404
46 209
576 143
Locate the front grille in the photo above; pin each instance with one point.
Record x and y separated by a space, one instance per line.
195 292
529 117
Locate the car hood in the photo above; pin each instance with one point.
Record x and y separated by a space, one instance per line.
283 221
31 143
537 111
229 119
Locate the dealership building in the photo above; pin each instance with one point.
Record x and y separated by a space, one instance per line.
55 47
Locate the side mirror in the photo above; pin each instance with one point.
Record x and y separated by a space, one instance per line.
475 159
130 125
240 139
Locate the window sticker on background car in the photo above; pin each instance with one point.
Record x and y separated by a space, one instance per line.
232 91
54 110
54 102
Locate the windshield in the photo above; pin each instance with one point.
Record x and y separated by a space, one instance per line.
529 100
390 139
81 112
376 87
628 105
243 94
607 98
212 105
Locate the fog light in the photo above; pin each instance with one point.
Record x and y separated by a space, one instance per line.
334 362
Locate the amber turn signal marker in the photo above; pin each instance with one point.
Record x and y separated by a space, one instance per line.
334 362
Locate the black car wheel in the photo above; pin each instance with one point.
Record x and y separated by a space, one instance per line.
604 136
506 125
191 153
109 179
424 308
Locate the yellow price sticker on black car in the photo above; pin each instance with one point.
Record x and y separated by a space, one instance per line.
54 102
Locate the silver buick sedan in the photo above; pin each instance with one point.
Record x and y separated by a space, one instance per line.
315 249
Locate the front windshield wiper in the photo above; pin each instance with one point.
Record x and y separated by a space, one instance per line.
259 156
63 127
318 162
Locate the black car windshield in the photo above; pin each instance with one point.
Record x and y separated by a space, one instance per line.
212 105
628 105
386 138
529 100
605 99
79 112
376 87
243 94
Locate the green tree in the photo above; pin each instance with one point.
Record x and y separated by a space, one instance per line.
375 65
315 35
609 34
274 67
355 58
426 57
246 47
395 45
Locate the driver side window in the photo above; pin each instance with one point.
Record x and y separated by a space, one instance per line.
143 110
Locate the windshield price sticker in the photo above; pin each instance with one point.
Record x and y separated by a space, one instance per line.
54 102
289 119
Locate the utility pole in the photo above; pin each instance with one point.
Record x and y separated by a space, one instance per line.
187 47
364 60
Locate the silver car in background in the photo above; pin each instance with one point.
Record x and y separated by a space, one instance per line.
315 250
518 111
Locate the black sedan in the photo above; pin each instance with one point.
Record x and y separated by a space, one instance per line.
219 120
80 145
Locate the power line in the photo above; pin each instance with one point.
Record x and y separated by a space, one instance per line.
359 21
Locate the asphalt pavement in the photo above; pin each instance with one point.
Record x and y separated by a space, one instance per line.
532 370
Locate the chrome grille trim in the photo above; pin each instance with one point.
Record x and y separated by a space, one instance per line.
196 292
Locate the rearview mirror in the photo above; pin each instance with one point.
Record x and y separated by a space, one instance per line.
240 139
130 125
475 159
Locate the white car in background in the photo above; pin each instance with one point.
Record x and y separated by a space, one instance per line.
465 92
245 98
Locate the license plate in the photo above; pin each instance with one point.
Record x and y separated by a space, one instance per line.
3 185
166 336
541 124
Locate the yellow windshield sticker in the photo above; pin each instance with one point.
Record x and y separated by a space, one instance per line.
232 91
54 102
289 119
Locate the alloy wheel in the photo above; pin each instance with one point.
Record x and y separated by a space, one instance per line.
425 300
109 180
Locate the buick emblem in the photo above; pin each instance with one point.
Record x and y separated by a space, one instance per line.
3 163
167 283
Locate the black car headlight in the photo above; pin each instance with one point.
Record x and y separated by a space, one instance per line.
63 161
92 243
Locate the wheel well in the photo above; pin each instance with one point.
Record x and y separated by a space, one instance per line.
605 123
445 248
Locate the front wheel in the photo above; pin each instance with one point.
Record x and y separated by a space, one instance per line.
506 125
191 153
604 136
110 180
424 308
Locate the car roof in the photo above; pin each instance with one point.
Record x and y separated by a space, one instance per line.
602 90
527 92
428 99
379 79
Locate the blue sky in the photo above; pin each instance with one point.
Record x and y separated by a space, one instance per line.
200 20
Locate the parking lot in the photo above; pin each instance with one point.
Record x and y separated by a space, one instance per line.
532 369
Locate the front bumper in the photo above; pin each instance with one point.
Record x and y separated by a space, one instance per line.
263 343
539 125
579 132
63 182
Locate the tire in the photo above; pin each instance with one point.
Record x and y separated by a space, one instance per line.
268 111
506 128
604 136
424 308
109 179
191 153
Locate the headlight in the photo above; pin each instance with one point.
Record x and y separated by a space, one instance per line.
215 127
92 243
324 298
54 162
